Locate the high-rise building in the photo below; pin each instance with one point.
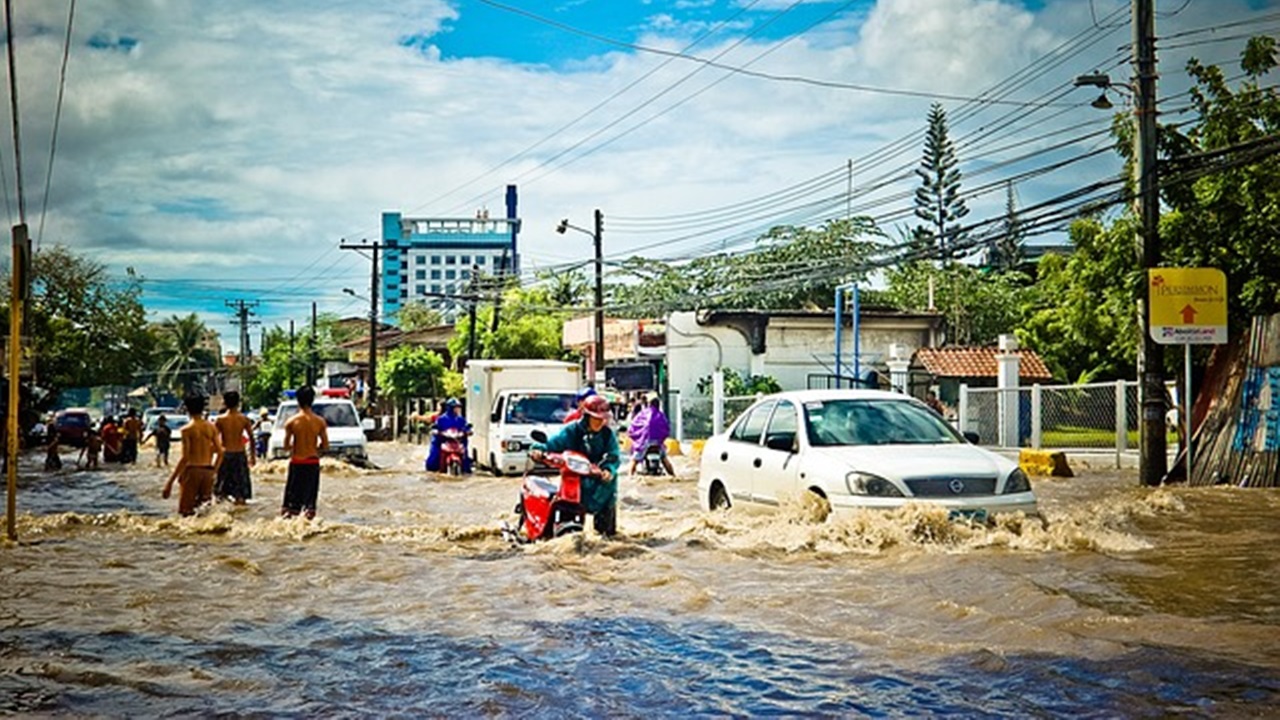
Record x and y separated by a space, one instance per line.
433 259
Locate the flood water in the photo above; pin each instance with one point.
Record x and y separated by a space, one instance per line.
403 599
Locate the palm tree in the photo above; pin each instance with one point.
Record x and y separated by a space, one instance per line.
182 346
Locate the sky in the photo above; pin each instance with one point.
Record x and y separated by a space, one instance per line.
223 150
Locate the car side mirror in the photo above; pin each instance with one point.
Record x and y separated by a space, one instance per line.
972 437
368 424
785 443
539 436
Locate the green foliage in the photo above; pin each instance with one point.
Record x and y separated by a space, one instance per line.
978 306
182 353
790 268
276 371
87 328
938 201
415 315
739 385
1004 252
531 325
411 372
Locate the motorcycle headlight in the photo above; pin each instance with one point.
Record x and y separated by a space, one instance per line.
1017 482
860 483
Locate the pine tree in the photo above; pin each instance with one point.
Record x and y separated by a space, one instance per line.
938 201
1004 253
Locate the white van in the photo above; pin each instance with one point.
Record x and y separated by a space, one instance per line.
346 429
508 399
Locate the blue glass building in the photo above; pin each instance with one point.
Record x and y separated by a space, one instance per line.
433 259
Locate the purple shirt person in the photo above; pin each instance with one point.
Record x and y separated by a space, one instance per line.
650 427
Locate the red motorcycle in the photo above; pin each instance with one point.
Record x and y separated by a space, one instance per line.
551 507
453 452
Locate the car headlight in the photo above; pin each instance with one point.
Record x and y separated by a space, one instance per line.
1017 482
860 483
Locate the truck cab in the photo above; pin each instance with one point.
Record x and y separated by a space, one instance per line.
508 399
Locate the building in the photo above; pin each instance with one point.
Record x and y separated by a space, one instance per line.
953 366
433 259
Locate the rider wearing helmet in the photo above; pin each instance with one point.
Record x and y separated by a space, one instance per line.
450 419
592 436
576 413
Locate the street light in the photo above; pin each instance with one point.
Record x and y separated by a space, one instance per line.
371 384
597 237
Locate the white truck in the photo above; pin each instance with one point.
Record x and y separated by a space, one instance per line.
509 399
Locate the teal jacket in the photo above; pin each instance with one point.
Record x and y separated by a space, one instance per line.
600 448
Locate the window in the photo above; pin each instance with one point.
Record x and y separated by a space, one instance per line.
450 260
750 427
435 287
421 289
466 260
782 427
404 293
435 274
420 275
404 279
464 274
420 260
479 260
435 259
450 274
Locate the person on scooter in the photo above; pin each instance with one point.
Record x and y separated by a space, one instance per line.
451 419
650 427
592 437
576 413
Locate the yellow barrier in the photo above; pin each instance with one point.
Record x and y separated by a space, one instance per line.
695 449
673 448
1044 462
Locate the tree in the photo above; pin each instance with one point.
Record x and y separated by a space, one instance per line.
978 307
1005 252
938 201
411 372
86 327
183 352
416 314
531 326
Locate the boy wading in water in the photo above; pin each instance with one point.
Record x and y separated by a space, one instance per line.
305 436
163 434
196 469
238 454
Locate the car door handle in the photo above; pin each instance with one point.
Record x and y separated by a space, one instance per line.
756 462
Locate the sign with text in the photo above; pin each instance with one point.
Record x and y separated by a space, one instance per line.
1187 306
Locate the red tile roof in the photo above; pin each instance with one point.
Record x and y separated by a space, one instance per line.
970 362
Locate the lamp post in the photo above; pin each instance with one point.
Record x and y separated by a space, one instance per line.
597 238
1152 444
371 387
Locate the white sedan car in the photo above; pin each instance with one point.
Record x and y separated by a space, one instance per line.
857 449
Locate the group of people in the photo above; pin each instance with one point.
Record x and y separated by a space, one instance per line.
217 456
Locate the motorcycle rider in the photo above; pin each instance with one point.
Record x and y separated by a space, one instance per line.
575 414
450 419
592 436
650 427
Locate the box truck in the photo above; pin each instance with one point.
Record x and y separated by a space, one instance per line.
509 399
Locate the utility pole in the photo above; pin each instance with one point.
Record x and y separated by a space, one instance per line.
474 291
1152 448
313 371
598 237
371 388
289 380
19 291
243 310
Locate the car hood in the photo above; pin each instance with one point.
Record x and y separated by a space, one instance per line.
911 461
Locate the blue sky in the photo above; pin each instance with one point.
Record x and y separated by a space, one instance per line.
224 150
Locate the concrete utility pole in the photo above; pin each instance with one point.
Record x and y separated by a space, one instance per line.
19 292
371 391
1153 459
599 243
243 310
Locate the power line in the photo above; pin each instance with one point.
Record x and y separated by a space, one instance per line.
57 121
13 109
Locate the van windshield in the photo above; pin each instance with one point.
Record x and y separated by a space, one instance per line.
335 414
538 408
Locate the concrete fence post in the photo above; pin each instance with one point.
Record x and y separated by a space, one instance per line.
962 408
1122 420
717 402
1037 415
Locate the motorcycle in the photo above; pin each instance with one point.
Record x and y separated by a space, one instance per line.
652 459
452 452
550 507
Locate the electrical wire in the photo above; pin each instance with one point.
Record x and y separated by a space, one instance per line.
13 109
57 121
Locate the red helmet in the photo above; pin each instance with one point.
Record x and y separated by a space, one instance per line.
596 407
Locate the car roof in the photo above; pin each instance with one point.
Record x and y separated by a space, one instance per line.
803 396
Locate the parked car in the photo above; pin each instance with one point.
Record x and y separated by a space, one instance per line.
73 425
175 420
346 429
857 449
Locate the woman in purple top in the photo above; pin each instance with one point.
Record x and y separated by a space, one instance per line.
650 427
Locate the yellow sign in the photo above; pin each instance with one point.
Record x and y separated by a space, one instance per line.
1187 306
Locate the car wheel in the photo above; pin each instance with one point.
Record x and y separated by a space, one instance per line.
719 499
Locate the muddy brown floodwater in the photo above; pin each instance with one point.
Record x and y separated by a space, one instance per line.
402 598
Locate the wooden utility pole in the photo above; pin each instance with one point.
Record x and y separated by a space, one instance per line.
371 392
1152 443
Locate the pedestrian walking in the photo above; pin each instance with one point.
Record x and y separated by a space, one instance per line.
197 468
306 436
238 454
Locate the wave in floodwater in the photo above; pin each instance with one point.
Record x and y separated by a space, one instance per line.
623 667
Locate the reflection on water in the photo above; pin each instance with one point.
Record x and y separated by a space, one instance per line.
404 599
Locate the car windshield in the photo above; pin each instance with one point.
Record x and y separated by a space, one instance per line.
341 414
874 422
544 408
73 420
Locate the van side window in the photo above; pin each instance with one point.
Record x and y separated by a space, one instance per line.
751 427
